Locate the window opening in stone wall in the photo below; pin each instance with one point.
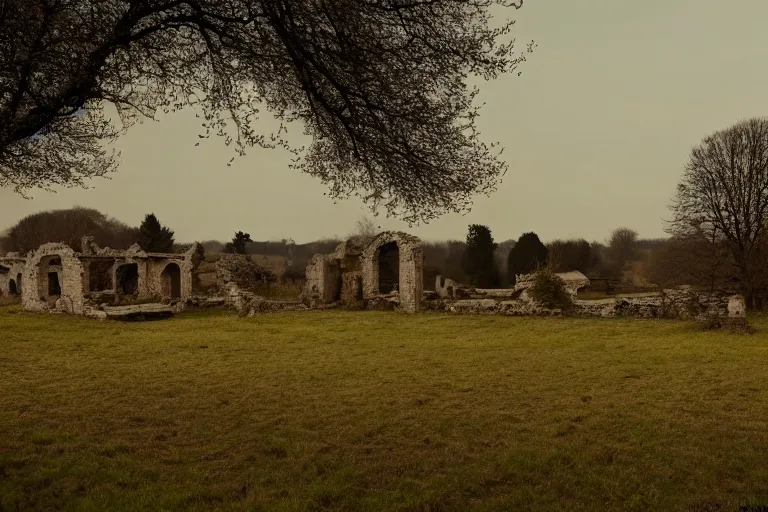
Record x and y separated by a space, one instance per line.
48 284
100 275
171 278
389 267
127 277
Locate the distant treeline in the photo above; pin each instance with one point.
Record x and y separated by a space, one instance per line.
622 257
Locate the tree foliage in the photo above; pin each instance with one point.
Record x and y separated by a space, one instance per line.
528 255
478 261
622 248
153 236
548 290
724 193
696 260
239 243
68 226
567 255
379 85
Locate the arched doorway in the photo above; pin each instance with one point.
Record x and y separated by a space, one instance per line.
127 279
171 279
18 283
12 289
48 283
389 267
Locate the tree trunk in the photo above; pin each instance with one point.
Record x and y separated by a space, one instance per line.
749 297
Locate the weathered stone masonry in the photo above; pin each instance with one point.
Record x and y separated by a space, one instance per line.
54 277
387 270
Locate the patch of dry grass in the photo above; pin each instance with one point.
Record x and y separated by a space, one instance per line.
379 411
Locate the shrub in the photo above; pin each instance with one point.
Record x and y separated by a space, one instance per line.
549 291
713 322
294 274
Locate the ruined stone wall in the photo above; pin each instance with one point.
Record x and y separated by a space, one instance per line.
15 267
411 268
351 287
573 281
70 280
323 279
156 285
675 303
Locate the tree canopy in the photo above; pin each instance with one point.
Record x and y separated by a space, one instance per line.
478 261
527 255
153 236
68 226
723 196
239 243
381 86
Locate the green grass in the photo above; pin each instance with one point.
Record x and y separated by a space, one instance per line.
379 411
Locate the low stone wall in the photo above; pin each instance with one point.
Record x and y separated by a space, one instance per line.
681 304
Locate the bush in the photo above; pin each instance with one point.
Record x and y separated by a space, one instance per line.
737 325
549 291
294 274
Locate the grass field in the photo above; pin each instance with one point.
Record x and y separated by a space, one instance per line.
377 411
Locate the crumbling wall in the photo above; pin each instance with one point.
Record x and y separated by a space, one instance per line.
162 274
411 264
352 287
8 278
683 303
445 287
335 277
70 280
573 281
323 280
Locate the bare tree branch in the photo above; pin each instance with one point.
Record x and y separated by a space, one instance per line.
379 85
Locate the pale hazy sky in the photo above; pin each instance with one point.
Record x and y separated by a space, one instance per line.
596 133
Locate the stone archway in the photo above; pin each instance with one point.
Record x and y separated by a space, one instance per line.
49 286
377 257
389 267
53 277
171 281
12 289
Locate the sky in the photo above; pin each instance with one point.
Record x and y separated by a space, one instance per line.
596 132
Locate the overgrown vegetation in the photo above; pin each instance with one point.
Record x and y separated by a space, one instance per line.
379 411
548 290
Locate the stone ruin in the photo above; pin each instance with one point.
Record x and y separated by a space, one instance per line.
96 281
388 271
682 303
385 272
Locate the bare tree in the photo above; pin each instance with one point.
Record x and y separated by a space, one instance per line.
380 85
696 259
724 192
365 230
622 248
